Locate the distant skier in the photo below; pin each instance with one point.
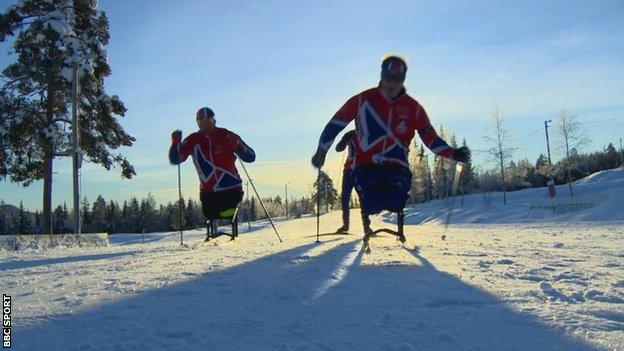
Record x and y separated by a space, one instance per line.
386 120
214 152
348 142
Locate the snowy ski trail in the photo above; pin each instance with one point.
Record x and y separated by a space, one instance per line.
503 287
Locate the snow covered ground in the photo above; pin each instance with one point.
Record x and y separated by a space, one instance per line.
485 287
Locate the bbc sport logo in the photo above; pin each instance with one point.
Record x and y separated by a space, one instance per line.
6 321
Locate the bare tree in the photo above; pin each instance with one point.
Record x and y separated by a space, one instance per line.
573 137
500 150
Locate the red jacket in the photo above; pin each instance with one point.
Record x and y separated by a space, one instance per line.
214 155
384 128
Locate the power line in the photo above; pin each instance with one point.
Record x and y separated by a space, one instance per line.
526 135
603 120
540 129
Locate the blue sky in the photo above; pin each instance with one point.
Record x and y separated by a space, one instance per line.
275 72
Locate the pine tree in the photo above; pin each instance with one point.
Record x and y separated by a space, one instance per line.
295 210
253 210
199 215
59 220
112 218
305 205
517 175
454 141
51 38
417 189
3 219
134 216
147 214
23 220
85 216
188 214
164 217
328 194
277 200
278 207
543 169
123 221
425 170
243 211
66 217
467 180
177 222
440 173
192 220
98 215
613 159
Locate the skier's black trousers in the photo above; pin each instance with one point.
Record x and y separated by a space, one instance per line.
213 203
382 187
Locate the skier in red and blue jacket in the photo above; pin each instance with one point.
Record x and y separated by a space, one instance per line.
386 121
214 151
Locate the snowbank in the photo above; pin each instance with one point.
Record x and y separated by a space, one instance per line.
38 242
615 175
598 197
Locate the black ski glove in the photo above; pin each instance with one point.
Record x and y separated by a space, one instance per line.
461 155
318 159
176 137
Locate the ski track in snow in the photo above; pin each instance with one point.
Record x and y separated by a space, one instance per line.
485 287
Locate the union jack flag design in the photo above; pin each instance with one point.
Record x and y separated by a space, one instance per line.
214 155
384 128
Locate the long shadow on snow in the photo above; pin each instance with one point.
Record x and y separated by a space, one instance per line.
21 264
416 307
265 305
132 239
229 309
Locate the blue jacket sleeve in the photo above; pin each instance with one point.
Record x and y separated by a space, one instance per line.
174 154
179 152
246 153
242 150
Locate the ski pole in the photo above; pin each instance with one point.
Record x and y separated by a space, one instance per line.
260 200
458 169
180 205
318 205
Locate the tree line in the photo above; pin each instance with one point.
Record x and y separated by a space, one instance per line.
430 181
136 215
